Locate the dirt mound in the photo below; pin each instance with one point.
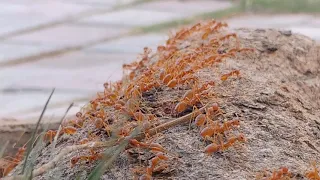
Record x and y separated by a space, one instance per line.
276 98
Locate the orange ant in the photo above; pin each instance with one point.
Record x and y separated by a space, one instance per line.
154 147
172 83
213 110
135 92
152 167
211 148
16 160
161 49
234 35
181 106
69 130
136 143
224 77
195 27
217 129
167 78
132 75
158 150
99 123
93 157
50 135
78 123
139 116
126 130
214 29
191 97
314 174
232 140
78 114
131 66
84 141
200 120
94 105
281 174
131 106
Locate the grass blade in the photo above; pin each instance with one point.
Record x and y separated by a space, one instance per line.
37 146
61 121
107 160
29 147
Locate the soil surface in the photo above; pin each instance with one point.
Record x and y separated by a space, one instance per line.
276 98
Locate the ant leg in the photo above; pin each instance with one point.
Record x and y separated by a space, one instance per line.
146 134
51 138
107 128
221 142
193 115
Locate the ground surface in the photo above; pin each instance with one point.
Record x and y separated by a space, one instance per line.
276 99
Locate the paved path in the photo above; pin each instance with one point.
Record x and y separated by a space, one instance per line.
74 46
308 25
77 45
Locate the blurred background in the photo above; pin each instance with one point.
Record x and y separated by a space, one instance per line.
77 45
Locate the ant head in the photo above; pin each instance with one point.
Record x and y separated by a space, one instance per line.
161 48
74 160
215 107
209 110
211 83
79 114
236 122
99 123
134 142
106 85
84 140
241 138
284 170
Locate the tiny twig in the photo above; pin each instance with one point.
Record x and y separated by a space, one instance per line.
167 125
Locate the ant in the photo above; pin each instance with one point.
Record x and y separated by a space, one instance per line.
314 174
49 135
93 157
208 31
156 149
228 36
212 148
281 174
217 129
69 130
224 77
15 161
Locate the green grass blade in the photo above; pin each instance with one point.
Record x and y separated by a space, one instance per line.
102 166
61 121
29 147
37 147
110 157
